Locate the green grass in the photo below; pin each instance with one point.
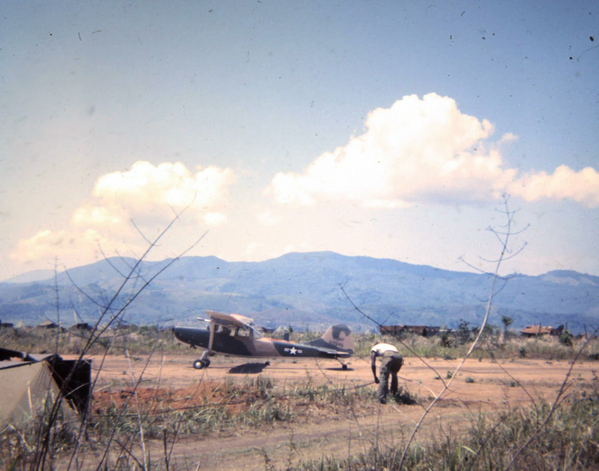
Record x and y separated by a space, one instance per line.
547 348
569 441
143 339
239 406
137 340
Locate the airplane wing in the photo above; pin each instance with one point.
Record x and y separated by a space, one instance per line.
229 319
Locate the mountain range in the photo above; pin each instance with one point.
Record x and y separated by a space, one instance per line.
305 290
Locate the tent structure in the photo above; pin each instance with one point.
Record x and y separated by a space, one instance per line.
26 388
30 382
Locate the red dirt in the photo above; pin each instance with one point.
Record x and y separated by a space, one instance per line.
171 382
157 400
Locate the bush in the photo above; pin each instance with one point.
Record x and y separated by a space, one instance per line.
464 332
566 338
522 352
568 441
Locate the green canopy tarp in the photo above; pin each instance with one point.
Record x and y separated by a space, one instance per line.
24 389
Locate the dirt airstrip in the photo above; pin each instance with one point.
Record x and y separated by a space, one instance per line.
481 386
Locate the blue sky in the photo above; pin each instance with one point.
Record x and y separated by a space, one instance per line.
386 129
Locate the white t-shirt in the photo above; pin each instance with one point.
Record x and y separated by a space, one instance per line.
381 348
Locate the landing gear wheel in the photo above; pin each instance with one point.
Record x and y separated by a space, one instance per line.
344 367
199 364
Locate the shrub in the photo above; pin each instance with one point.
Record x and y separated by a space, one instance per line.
522 352
566 338
568 441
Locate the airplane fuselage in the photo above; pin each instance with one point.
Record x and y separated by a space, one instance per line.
252 347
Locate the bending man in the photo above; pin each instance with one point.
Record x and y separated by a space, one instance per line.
391 363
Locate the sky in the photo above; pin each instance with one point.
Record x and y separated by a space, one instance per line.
386 129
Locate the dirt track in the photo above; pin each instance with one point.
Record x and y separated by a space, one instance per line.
480 386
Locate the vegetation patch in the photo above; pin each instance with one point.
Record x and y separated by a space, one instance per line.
537 437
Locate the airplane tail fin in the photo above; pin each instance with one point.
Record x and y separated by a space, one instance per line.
337 337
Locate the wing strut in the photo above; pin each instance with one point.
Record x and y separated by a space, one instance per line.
204 361
212 329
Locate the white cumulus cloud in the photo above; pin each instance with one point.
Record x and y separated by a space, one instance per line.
564 183
94 216
267 218
145 186
70 244
422 150
215 218
150 195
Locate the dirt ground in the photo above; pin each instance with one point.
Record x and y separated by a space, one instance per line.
480 386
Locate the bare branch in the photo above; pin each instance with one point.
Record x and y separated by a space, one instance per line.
141 233
461 259
472 347
109 262
507 258
505 280
505 233
42 450
89 297
398 339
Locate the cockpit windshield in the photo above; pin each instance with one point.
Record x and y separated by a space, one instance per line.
257 335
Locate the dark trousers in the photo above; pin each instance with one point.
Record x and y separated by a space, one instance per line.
391 363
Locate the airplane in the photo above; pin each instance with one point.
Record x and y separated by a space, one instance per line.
232 334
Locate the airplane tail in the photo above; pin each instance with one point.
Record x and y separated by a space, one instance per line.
337 337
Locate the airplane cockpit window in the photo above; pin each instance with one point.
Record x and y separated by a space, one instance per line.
244 332
256 334
223 330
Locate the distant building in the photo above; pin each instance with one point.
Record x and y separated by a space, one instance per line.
6 325
539 330
424 330
83 326
47 324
